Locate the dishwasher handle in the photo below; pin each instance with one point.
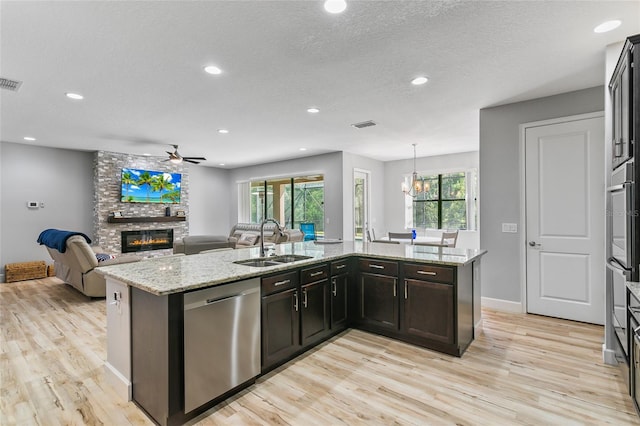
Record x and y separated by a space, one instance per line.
222 299
214 295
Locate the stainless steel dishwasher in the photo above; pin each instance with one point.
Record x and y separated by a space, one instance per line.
221 340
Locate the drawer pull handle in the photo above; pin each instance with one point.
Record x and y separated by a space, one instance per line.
315 274
341 266
281 283
427 273
376 266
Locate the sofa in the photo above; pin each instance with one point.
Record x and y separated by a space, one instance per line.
248 234
193 244
77 265
241 235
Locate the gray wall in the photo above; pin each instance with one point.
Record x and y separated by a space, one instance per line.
500 181
330 165
61 179
210 191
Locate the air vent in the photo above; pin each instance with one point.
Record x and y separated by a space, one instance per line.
364 124
8 84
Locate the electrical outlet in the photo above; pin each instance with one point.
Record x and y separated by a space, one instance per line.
510 227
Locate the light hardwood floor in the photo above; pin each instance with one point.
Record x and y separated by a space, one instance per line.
522 369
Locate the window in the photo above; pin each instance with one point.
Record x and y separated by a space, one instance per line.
447 201
288 200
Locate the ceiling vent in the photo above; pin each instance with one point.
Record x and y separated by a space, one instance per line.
364 124
8 84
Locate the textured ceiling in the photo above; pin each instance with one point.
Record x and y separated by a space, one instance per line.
139 66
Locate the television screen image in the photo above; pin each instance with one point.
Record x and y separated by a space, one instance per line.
147 186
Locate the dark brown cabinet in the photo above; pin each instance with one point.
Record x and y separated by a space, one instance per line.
428 302
625 101
377 294
428 310
280 318
339 318
315 305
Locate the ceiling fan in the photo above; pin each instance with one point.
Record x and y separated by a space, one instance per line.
176 158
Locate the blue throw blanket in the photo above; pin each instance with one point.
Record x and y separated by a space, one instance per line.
57 239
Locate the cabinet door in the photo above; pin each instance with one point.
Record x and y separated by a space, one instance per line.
620 88
315 309
428 310
378 303
339 285
280 326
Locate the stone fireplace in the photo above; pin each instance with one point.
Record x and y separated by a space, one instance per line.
138 217
144 240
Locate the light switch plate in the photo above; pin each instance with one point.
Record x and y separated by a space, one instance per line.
510 227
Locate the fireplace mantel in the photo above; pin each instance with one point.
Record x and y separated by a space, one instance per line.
146 219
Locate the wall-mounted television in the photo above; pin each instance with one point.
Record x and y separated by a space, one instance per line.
148 186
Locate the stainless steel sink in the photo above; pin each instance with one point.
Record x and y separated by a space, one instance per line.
262 262
288 258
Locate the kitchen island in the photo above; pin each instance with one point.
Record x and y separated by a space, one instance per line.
428 296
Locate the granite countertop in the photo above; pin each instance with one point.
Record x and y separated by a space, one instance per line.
175 274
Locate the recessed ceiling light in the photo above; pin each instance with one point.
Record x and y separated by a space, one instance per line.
223 131
221 164
313 110
303 149
419 80
75 96
335 6
212 69
607 26
146 154
29 138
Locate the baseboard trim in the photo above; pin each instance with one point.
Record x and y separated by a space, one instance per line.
502 305
609 356
118 382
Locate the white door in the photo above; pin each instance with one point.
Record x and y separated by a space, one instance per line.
360 205
564 182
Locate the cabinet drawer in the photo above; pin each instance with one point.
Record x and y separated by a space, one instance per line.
440 274
339 267
381 267
280 282
316 273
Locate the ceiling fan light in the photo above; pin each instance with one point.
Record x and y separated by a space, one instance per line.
175 160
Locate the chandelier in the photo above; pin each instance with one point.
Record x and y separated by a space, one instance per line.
417 185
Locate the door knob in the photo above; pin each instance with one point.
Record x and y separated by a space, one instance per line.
534 244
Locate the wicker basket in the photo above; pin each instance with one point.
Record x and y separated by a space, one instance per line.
25 271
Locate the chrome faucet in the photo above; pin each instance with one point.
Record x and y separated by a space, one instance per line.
278 229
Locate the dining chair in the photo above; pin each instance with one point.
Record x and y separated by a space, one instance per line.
385 241
400 236
449 238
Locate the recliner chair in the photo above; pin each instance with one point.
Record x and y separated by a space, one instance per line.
76 266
